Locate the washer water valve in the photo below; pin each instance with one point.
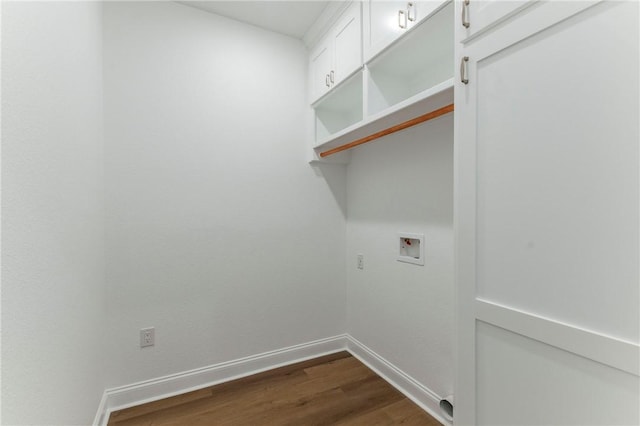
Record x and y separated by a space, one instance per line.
411 248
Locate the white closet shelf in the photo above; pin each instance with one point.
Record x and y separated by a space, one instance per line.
431 99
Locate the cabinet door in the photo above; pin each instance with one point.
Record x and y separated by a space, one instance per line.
547 217
347 44
320 62
383 23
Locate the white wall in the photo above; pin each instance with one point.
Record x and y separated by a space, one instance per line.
218 232
404 312
52 224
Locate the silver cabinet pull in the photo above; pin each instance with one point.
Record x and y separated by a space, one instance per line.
331 77
402 15
465 13
326 80
411 7
463 70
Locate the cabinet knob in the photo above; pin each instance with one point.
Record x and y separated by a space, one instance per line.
402 19
465 14
326 81
463 70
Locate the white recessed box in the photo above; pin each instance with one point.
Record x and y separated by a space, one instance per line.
411 248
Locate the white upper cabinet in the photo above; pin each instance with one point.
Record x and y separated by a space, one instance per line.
386 21
338 55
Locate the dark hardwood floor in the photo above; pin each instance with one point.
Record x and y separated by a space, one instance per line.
335 389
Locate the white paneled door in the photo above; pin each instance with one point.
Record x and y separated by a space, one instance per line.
547 212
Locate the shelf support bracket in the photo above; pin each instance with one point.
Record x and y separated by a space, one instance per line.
404 125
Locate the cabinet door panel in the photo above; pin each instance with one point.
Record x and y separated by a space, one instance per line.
556 149
382 25
347 42
319 68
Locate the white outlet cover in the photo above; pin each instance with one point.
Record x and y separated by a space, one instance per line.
411 248
147 337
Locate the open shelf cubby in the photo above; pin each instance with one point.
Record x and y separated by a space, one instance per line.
419 61
339 109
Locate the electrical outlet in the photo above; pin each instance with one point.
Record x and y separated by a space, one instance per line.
147 337
361 261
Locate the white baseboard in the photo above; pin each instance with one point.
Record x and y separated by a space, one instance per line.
102 416
164 387
424 397
176 384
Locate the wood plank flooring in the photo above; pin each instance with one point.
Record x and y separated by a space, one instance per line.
335 389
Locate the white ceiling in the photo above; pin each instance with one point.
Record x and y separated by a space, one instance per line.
292 18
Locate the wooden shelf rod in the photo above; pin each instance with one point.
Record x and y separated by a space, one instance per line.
409 123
